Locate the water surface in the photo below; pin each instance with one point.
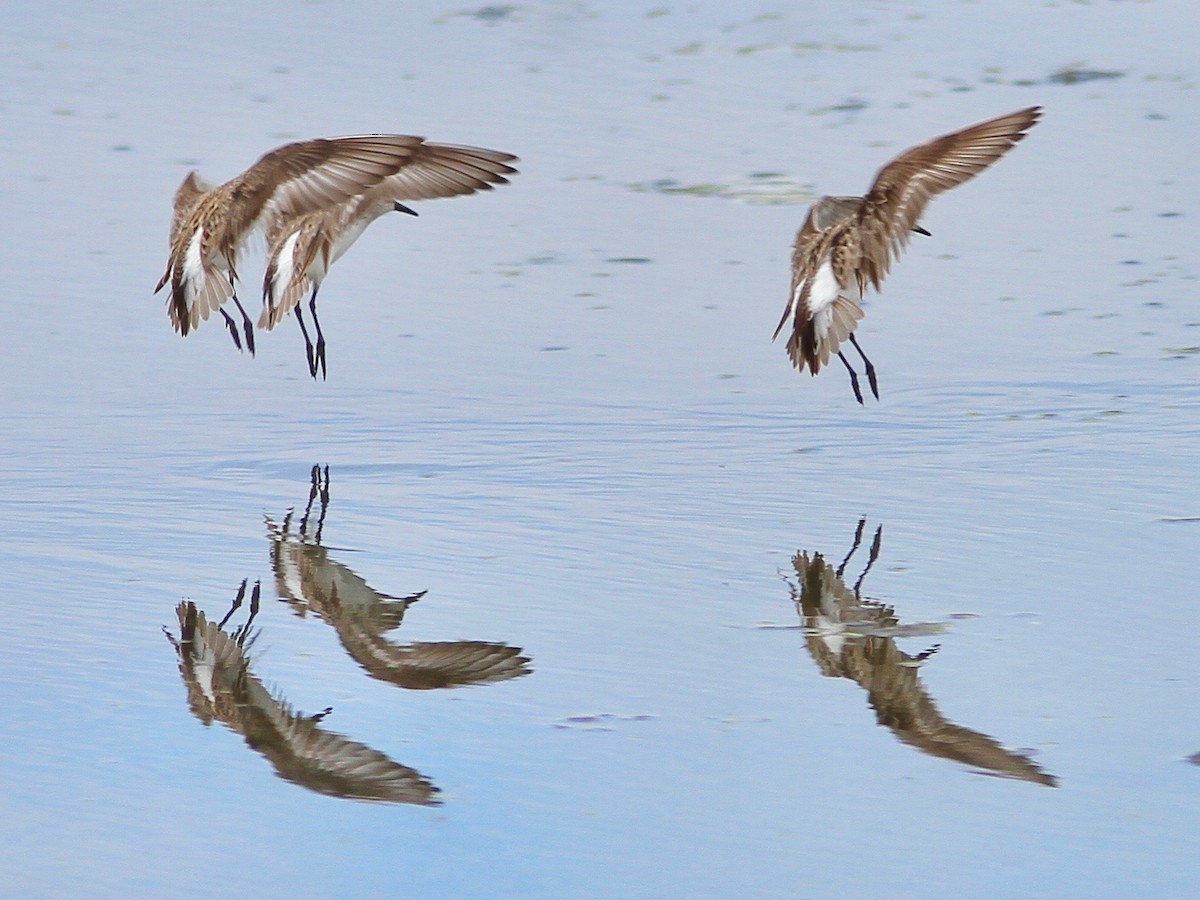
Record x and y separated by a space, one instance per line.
556 411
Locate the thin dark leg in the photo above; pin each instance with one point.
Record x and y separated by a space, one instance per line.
320 354
313 490
858 533
853 377
242 632
237 603
324 502
246 325
319 488
233 333
870 559
308 347
870 367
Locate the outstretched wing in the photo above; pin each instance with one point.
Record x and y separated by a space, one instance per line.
903 188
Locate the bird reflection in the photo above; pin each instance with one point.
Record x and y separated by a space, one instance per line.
215 665
849 637
309 579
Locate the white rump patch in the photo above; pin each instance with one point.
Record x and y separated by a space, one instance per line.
832 633
194 275
824 290
822 293
285 267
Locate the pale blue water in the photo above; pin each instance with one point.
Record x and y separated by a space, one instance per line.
556 408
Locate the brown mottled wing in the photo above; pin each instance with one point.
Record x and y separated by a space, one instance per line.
443 170
903 188
310 175
187 196
425 665
803 264
189 193
304 753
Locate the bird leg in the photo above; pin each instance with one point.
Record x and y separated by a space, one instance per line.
320 488
233 333
858 533
319 355
237 602
246 326
308 347
870 368
874 555
853 377
242 633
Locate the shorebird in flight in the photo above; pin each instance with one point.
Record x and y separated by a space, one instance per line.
302 247
847 243
312 199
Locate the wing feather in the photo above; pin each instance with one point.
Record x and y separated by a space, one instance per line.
903 188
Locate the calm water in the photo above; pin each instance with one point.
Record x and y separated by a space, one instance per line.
649 659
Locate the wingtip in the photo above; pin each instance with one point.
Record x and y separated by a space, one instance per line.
779 327
1030 116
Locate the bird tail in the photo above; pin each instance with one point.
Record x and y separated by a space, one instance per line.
812 345
193 300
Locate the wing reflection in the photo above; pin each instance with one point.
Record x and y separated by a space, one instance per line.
849 637
215 665
309 579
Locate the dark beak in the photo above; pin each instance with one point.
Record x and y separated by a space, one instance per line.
918 229
400 207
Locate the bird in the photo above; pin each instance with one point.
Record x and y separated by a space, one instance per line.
848 243
216 667
211 225
310 579
853 637
303 246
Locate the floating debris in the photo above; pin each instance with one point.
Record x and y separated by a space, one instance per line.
600 721
1078 74
766 188
849 105
491 15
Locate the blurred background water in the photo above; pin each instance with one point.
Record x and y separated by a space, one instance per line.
555 409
